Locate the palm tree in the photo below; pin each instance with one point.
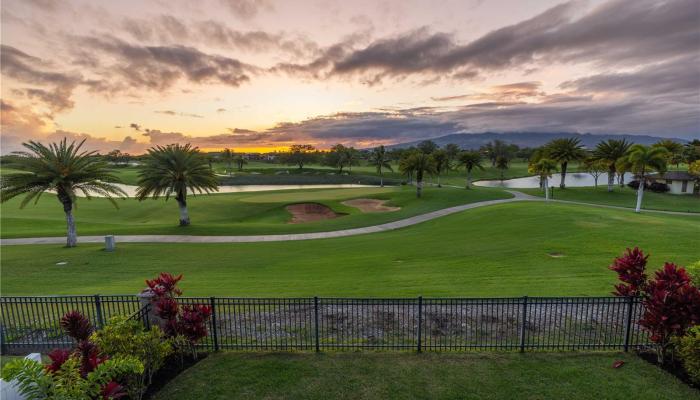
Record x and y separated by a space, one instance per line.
644 159
380 159
470 160
452 151
675 151
564 151
175 169
502 163
240 161
442 162
610 151
622 166
61 168
227 155
420 164
544 169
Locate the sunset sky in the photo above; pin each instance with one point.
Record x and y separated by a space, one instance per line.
261 74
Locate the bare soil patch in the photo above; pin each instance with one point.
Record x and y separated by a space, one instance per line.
309 212
370 205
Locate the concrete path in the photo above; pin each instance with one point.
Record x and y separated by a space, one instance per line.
517 196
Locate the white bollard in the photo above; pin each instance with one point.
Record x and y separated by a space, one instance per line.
110 243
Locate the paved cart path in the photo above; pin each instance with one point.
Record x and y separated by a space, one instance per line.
517 196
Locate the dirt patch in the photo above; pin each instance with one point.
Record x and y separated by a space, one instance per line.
370 205
309 212
556 255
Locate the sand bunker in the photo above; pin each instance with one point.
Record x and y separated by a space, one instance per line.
309 212
370 205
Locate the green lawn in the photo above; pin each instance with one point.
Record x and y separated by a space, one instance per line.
228 214
624 197
425 376
499 250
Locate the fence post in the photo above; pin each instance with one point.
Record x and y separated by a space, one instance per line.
98 311
522 325
215 334
628 324
316 322
420 321
3 346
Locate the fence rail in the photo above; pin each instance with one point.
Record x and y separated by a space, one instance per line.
422 324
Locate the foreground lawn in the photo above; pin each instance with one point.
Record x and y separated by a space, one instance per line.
424 376
228 214
524 248
624 197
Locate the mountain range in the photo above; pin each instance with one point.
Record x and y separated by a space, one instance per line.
530 139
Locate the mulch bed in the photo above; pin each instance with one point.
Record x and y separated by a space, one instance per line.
673 367
172 368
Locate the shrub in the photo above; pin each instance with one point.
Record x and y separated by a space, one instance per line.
689 352
659 187
671 302
122 337
634 184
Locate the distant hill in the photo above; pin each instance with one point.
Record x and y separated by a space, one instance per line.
529 139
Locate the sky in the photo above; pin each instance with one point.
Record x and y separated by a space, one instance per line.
259 75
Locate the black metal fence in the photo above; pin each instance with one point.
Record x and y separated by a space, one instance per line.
430 324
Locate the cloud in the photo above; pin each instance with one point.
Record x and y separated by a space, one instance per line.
511 92
135 126
246 9
616 33
220 110
180 114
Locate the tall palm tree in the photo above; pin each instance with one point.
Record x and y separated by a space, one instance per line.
452 151
564 151
240 161
610 151
470 160
380 160
442 162
175 169
502 163
644 159
227 155
419 164
544 169
675 151
62 168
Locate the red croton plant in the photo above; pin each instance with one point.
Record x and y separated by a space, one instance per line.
671 302
78 327
189 321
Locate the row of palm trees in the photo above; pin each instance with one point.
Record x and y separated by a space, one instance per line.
65 169
618 155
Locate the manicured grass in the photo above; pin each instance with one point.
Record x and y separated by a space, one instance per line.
228 214
624 197
425 376
499 250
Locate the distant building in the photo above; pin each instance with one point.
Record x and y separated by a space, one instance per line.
679 182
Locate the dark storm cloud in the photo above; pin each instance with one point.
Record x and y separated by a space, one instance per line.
159 67
616 33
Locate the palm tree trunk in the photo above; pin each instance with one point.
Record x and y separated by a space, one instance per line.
545 183
611 179
469 179
640 194
419 188
563 175
184 214
439 185
381 179
71 233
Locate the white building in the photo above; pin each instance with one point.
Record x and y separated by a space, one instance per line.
679 182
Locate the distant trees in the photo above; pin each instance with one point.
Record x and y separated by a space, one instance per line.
417 163
544 168
117 157
441 163
595 168
610 152
64 169
674 149
427 147
497 149
642 160
379 158
452 150
340 157
502 164
470 160
174 170
564 151
227 156
299 154
240 161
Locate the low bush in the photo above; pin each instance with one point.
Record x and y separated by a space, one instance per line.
659 187
634 184
694 272
122 337
689 353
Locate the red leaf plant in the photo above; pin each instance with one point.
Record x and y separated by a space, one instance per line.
113 390
58 357
189 321
76 326
671 302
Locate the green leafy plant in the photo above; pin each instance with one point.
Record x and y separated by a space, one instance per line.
36 382
689 352
122 337
694 272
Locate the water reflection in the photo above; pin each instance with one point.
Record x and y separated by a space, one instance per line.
573 179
